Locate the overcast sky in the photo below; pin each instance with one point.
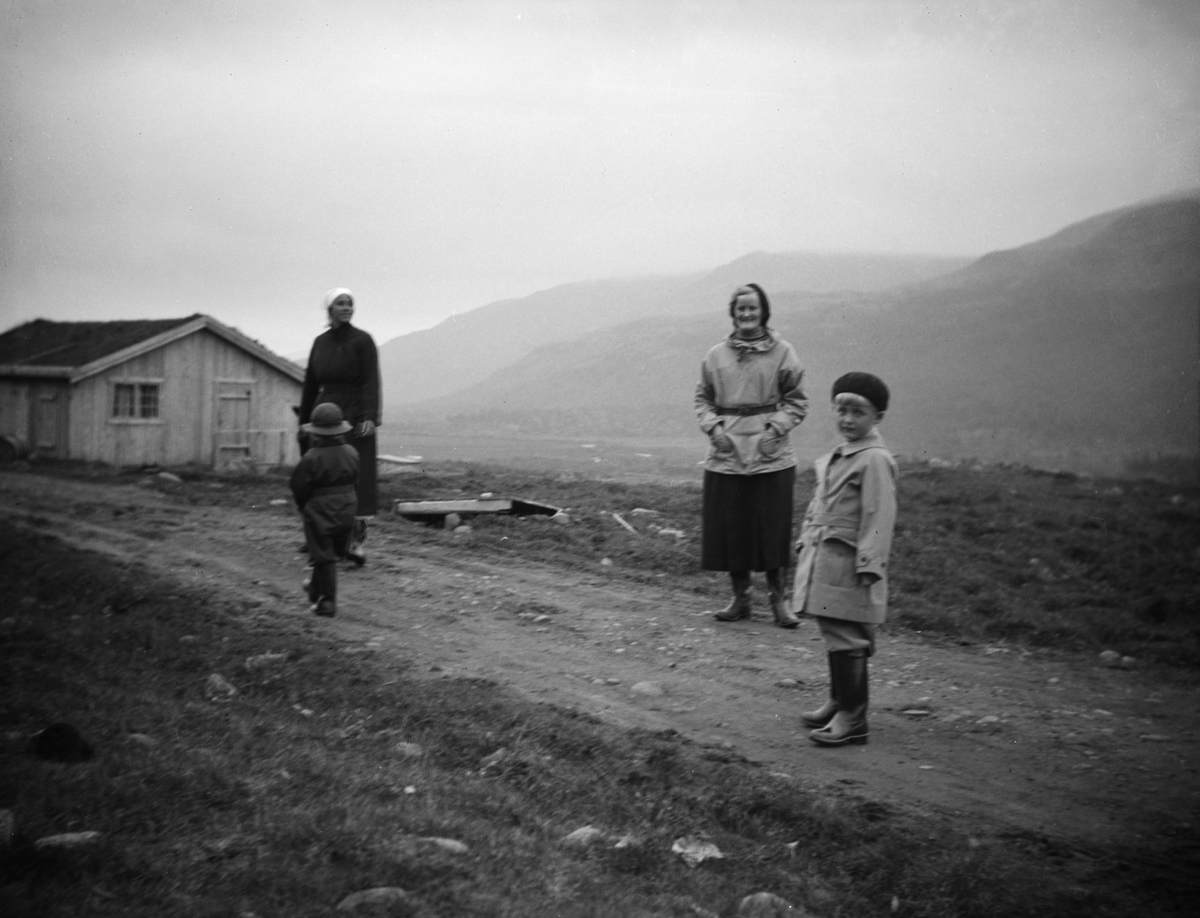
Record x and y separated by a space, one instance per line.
240 157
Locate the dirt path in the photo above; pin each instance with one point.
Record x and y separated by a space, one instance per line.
1031 745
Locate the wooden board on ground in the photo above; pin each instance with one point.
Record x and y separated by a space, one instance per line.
432 510
387 465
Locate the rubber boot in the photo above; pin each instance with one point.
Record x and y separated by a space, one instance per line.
783 615
821 717
322 589
849 724
358 535
739 606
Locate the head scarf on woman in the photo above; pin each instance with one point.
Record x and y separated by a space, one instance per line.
763 302
334 294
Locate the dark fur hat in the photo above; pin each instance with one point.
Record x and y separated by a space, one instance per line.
867 385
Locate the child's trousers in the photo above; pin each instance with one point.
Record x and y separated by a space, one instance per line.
841 634
325 548
324 581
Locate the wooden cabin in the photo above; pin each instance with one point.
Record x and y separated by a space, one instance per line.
156 392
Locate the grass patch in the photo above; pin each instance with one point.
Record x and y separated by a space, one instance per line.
295 793
1002 552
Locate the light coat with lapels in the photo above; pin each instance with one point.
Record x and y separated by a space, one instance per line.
847 531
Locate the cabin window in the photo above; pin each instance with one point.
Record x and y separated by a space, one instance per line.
135 400
123 396
147 401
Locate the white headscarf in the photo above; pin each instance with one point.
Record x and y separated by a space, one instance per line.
334 294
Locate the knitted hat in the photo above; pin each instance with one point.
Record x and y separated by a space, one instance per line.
867 385
762 300
327 421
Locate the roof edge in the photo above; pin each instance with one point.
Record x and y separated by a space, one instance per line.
233 336
200 323
35 372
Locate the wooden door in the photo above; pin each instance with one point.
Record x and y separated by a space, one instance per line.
232 429
47 421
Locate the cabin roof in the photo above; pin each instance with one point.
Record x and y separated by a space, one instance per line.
76 350
42 343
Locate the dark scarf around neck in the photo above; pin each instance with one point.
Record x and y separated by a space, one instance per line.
764 340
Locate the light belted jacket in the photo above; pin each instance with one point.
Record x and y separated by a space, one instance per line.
754 393
847 531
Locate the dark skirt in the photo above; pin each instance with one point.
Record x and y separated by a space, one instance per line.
366 489
747 521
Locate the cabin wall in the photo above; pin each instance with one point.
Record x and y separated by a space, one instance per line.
196 376
36 410
15 408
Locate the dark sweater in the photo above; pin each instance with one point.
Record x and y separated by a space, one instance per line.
343 368
329 464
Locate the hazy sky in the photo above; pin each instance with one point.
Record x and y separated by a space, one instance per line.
240 157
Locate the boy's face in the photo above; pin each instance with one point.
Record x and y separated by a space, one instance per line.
856 417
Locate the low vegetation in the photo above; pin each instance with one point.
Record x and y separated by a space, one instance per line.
981 554
298 791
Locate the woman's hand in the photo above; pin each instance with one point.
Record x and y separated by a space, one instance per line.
720 441
366 429
771 442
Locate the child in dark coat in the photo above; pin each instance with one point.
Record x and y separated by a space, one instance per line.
323 484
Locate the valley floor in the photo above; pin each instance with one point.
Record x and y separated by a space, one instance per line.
998 741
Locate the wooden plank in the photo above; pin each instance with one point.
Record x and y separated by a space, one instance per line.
436 509
442 507
533 508
620 519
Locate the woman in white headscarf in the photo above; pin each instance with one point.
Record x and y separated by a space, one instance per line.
343 368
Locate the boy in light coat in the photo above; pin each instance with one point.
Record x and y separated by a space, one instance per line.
841 573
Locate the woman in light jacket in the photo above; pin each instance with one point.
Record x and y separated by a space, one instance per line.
749 398
343 368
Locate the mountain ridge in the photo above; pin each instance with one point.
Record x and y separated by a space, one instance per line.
469 346
1078 350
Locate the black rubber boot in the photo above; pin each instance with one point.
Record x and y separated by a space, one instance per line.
322 589
739 606
849 724
779 606
821 717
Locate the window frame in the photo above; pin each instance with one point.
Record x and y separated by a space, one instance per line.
142 386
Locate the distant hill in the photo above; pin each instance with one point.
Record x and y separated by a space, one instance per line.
1079 351
469 347
1083 345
